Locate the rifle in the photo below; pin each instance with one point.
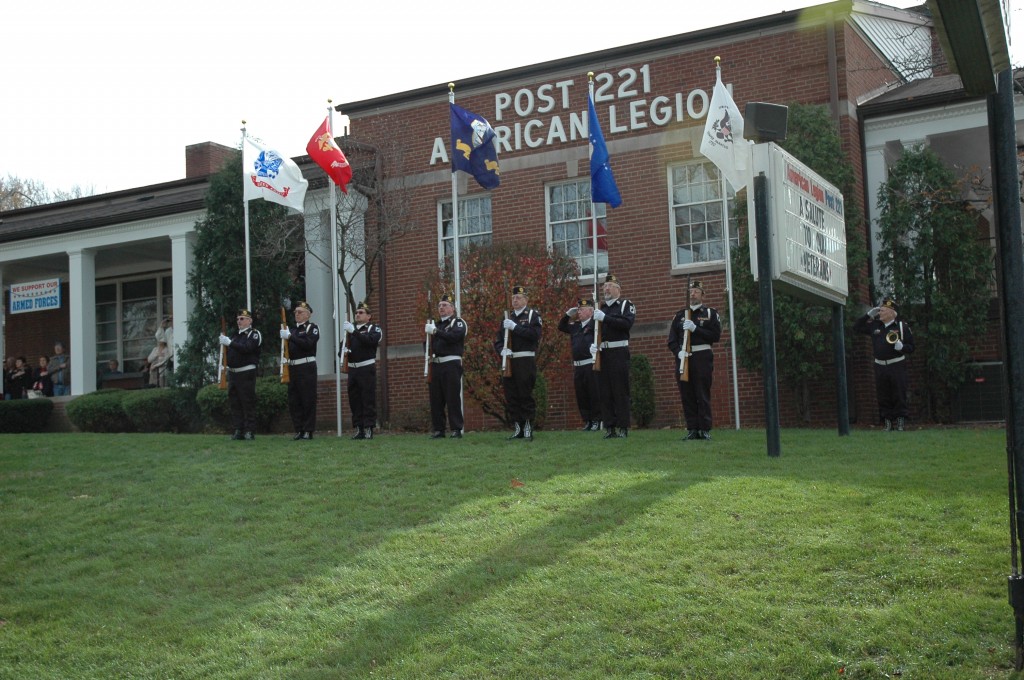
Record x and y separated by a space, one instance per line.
285 374
506 365
684 365
222 366
345 352
597 343
427 357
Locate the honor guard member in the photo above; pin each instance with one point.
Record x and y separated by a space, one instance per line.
616 316
361 344
891 342
705 329
524 327
578 323
448 340
302 370
243 358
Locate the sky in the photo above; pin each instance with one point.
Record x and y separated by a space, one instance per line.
126 86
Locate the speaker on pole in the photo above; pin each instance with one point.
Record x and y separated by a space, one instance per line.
763 122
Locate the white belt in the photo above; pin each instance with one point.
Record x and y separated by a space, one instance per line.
614 344
240 369
699 348
360 364
585 362
299 362
441 360
886 362
520 355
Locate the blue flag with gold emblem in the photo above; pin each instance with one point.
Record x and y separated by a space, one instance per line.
602 182
473 148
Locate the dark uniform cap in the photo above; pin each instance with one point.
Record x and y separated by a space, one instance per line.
447 297
585 302
612 278
304 305
519 290
245 312
362 307
696 283
890 302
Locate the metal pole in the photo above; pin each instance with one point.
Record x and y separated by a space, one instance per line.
839 354
728 288
764 273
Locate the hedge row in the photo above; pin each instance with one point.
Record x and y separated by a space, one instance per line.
24 415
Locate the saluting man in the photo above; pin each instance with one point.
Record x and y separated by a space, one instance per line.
302 370
524 327
448 340
705 329
616 315
363 339
891 342
578 323
243 358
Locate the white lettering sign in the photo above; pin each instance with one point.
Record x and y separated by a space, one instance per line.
35 296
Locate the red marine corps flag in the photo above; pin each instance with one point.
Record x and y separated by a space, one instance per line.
325 153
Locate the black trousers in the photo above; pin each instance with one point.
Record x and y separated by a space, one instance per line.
446 395
695 394
302 396
362 395
242 398
519 401
614 380
588 394
891 383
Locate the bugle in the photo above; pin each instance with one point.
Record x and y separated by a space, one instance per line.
506 365
892 336
222 364
285 374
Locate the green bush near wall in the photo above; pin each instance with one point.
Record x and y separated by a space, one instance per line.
162 410
271 403
641 379
24 415
100 411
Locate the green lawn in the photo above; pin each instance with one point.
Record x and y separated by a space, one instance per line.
177 556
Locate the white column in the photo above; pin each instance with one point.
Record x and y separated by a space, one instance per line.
320 291
82 306
182 246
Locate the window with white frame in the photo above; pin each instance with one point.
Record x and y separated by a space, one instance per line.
698 213
474 224
127 315
570 225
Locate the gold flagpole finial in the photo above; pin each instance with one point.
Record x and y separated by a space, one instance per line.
329 100
451 87
718 61
243 121
590 75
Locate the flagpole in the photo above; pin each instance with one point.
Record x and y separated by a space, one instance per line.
245 210
455 218
593 211
335 277
728 288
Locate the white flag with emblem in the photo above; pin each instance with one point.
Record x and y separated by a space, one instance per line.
723 143
269 175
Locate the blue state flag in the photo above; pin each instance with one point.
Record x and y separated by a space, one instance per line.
602 182
473 148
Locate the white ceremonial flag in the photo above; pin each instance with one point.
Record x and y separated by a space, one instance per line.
723 143
269 175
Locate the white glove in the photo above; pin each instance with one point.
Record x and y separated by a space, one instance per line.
572 311
349 328
682 354
224 340
873 312
285 334
506 352
508 324
898 345
593 350
430 328
599 315
689 325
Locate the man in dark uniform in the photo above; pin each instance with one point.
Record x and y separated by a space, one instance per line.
616 317
524 328
302 371
361 343
704 327
577 322
891 342
243 358
447 343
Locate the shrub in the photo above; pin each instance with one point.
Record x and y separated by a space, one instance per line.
100 411
162 410
24 415
540 396
641 379
271 403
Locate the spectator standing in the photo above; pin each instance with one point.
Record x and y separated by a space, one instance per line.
60 370
41 382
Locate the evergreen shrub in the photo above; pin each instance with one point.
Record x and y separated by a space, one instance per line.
24 415
641 380
100 411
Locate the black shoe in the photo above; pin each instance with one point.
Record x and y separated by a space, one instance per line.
456 434
237 436
298 436
368 433
705 435
307 435
610 433
528 431
586 426
691 435
623 432
900 422
437 435
248 436
888 425
517 433
359 434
